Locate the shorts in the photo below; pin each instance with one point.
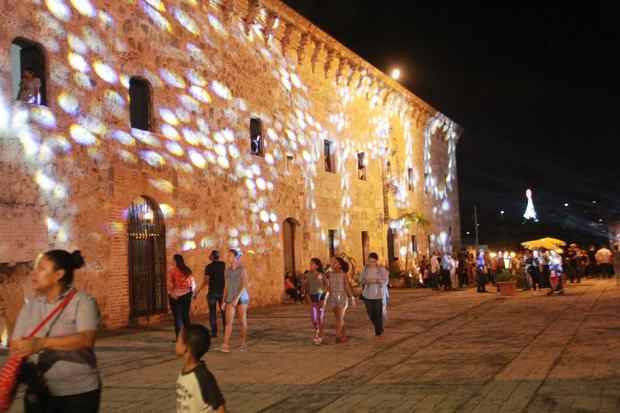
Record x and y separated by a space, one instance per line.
338 300
244 299
317 298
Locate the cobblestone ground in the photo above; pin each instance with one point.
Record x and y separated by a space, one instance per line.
443 352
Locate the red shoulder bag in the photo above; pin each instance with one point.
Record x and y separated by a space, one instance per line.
10 370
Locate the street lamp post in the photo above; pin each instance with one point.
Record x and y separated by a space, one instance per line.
476 227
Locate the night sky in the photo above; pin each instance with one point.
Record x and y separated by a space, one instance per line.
535 89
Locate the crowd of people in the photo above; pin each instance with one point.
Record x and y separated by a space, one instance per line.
55 331
538 269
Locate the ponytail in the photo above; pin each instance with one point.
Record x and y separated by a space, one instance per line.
66 261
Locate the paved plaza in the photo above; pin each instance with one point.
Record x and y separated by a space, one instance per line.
443 352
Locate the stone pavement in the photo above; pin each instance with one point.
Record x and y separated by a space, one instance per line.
443 352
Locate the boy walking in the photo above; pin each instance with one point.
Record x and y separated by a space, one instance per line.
197 389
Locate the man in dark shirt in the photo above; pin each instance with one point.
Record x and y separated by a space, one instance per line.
214 277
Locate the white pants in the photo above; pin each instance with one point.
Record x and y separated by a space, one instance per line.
454 279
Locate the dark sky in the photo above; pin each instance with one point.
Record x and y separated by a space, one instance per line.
534 87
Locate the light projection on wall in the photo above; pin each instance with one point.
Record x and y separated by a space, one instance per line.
530 212
201 123
437 187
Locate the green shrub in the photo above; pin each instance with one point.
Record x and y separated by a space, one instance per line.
504 275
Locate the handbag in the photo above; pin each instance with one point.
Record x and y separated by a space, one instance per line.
11 368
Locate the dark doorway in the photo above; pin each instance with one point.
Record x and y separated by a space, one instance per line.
147 258
390 245
288 234
365 246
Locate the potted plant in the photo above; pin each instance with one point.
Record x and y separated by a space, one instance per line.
506 283
396 279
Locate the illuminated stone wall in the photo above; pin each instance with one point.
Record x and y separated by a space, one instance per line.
76 165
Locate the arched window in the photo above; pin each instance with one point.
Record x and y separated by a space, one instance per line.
147 258
28 72
140 103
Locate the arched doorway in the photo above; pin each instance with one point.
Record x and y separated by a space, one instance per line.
147 258
288 237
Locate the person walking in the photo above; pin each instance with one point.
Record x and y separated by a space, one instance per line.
339 294
532 268
60 371
545 271
316 288
181 285
446 268
454 267
237 298
492 268
555 273
572 263
374 280
215 279
471 269
435 271
481 271
592 267
605 262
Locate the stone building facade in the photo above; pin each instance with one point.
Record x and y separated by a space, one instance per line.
181 126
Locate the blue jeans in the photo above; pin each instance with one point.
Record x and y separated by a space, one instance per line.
215 302
180 310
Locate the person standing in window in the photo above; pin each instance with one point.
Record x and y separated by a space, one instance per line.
180 285
236 300
374 279
29 87
63 351
214 277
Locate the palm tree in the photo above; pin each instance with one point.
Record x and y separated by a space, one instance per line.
411 218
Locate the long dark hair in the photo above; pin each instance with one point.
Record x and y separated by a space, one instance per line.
180 263
344 266
318 264
67 261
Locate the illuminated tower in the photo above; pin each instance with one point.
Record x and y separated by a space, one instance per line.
530 212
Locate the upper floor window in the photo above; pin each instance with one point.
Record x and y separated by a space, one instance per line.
256 137
365 246
290 160
28 71
410 179
329 152
333 242
361 166
140 103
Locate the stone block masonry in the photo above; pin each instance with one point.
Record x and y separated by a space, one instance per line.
76 165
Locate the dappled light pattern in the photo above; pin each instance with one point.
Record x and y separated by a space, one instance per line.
187 137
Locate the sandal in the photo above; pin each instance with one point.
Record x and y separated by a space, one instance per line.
243 348
224 349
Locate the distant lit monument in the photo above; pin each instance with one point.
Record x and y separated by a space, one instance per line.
530 212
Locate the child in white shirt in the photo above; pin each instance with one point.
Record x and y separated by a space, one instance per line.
197 389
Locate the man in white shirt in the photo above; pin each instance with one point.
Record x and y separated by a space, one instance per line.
604 261
374 279
446 266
